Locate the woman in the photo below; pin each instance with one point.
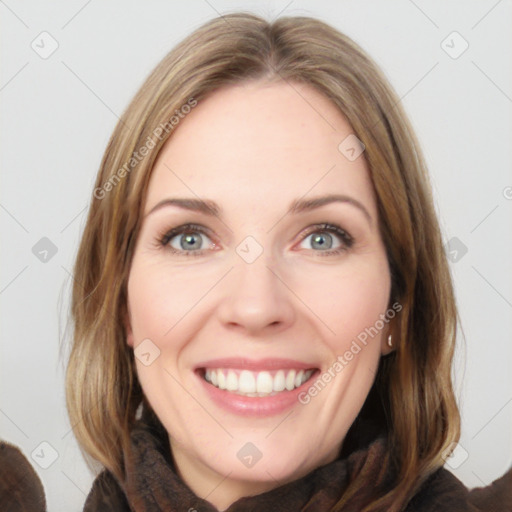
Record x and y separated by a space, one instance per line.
264 315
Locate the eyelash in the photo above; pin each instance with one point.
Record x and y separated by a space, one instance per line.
345 238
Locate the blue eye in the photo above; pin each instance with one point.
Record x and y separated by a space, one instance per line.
187 239
329 239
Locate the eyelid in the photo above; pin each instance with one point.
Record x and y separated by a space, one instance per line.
330 228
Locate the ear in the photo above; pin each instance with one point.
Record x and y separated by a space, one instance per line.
128 327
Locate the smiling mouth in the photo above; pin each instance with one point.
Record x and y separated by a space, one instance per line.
256 383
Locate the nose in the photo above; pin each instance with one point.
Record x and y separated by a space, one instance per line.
256 299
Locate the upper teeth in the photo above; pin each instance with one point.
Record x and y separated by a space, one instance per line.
256 383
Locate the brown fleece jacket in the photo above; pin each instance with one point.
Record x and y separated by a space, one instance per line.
152 485
20 487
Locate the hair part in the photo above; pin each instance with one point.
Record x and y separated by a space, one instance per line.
414 382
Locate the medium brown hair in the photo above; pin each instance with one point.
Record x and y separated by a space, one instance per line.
414 382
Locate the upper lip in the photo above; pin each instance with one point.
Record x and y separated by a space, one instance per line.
256 365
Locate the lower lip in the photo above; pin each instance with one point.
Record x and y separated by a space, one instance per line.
252 405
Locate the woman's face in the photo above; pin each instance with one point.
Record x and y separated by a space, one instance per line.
254 293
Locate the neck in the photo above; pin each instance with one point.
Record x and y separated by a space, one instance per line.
220 491
223 490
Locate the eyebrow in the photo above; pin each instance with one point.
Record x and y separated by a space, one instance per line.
302 205
211 208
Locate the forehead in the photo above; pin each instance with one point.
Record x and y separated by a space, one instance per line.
258 143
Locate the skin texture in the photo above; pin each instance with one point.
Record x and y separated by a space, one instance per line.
253 149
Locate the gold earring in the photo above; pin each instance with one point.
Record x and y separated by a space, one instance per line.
390 341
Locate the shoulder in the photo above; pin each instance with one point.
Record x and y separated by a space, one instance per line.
106 495
443 491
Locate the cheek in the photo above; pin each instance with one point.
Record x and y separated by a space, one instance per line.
159 297
159 300
349 300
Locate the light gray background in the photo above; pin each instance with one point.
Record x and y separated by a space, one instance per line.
57 115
